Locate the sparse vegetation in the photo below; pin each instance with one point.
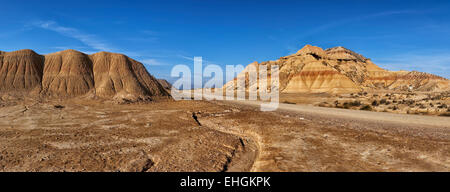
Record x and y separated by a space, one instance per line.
445 114
288 102
59 107
366 108
355 103
375 103
324 104
393 102
442 106
346 105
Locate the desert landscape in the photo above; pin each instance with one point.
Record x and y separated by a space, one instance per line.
69 112
340 78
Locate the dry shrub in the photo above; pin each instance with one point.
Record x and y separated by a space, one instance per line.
366 108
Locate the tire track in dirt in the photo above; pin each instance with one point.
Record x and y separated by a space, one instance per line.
244 157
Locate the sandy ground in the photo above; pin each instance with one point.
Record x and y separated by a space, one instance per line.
216 136
305 138
108 137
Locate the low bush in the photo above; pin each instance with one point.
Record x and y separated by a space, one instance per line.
375 103
366 108
288 102
346 105
442 106
445 114
355 103
324 104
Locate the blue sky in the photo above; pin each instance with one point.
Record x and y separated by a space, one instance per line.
409 35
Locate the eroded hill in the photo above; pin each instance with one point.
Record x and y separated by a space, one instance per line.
71 73
340 70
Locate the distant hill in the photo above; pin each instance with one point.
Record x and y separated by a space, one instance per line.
340 70
71 73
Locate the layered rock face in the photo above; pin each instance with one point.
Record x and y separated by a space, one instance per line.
419 81
316 77
71 73
340 70
67 73
20 70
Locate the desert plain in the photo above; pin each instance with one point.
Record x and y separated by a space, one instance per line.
75 135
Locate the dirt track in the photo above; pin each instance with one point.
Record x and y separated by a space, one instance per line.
435 121
306 138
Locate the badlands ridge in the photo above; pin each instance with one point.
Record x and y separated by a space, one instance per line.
340 70
115 76
71 73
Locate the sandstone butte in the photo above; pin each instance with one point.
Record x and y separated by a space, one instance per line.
71 73
340 70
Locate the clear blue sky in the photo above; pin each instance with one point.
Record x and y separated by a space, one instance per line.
409 35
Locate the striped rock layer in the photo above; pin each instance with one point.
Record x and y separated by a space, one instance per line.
340 70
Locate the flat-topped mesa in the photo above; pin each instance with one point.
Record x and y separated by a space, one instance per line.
120 77
20 70
67 73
